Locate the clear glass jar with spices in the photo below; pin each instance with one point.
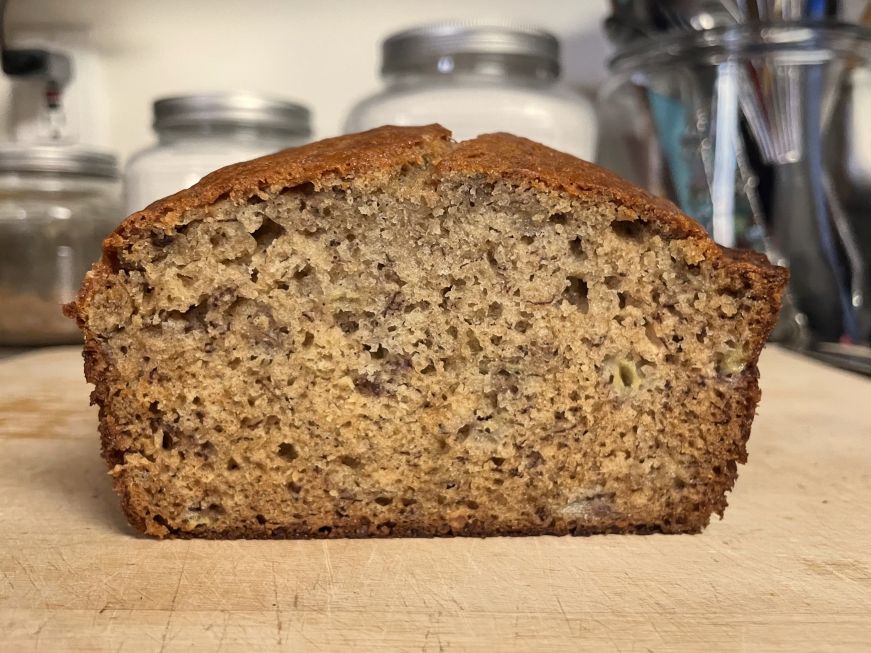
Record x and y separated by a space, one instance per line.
56 206
475 79
201 133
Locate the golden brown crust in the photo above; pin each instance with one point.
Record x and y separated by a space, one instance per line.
504 156
497 156
511 157
359 529
508 157
342 157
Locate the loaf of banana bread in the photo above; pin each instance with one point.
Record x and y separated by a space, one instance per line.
389 333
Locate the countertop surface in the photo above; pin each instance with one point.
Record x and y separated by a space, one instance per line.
789 568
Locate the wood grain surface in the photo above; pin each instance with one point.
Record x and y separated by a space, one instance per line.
788 569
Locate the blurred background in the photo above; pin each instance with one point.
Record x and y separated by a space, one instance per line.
752 115
324 54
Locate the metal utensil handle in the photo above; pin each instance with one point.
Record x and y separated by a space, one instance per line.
847 239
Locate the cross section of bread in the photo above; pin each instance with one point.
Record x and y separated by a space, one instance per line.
389 333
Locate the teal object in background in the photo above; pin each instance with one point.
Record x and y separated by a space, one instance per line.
682 151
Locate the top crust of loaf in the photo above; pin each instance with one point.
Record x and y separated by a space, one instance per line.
378 152
367 153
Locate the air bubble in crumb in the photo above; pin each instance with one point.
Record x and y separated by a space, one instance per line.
266 234
350 461
576 246
622 300
288 451
576 293
628 229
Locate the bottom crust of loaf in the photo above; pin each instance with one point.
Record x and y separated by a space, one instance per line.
694 522
364 531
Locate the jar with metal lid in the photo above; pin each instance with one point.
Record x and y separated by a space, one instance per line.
475 79
201 133
56 206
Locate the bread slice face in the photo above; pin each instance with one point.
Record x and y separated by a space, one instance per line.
391 334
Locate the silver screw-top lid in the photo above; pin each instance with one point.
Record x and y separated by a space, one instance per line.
418 47
238 109
54 159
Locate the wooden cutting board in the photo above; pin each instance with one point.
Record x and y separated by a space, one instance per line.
788 569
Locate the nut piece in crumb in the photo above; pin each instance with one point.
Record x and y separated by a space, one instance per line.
731 361
623 373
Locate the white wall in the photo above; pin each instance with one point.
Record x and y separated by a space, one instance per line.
325 53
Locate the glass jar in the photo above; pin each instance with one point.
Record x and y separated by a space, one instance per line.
56 206
201 133
479 79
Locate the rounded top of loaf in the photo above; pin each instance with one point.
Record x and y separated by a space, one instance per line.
375 155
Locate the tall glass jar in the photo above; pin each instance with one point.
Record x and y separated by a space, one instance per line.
197 134
476 79
56 206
